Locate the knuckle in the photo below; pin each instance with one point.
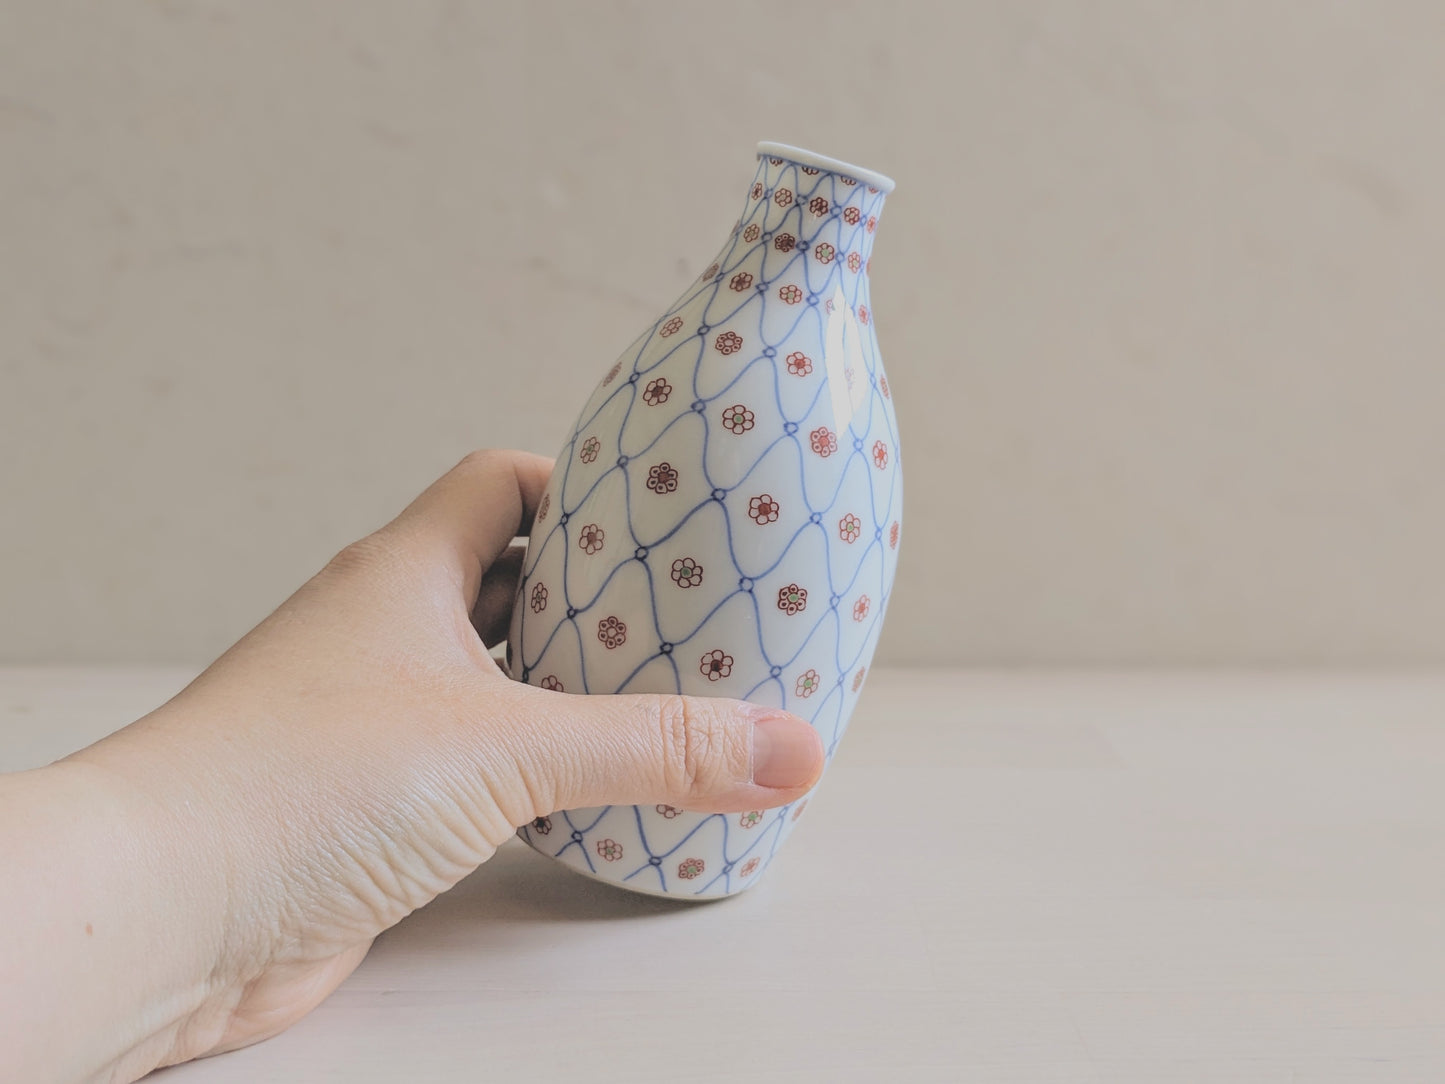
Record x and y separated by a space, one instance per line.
698 754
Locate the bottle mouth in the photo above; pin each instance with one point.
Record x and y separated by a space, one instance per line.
879 181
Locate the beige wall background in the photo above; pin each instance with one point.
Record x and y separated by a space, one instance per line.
1160 292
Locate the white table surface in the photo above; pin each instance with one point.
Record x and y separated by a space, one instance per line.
1027 876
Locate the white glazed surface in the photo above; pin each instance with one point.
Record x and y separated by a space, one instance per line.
724 519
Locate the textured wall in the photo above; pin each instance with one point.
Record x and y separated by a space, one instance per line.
1160 293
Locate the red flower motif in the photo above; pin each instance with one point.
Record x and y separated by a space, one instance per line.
751 819
817 206
738 419
851 215
790 294
749 867
539 597
612 632
609 849
784 242
860 608
710 272
824 441
715 665
863 314
763 509
858 678
686 572
807 685
799 364
893 535
551 684
612 374
668 811
872 223
824 253
828 305
848 180
729 342
811 171
849 527
590 447
792 599
591 539
751 233
758 190
848 377
880 454
783 197
656 392
542 825
775 161
662 478
689 868
741 281
672 327
855 261
798 809
883 387
544 506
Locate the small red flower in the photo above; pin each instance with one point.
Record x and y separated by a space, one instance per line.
741 281
656 392
609 849
824 253
790 294
763 509
668 811
751 819
729 342
792 599
784 242
863 314
817 206
672 327
775 161
855 261
848 181
799 364
542 825
738 418
851 215
686 572
798 810
612 374
612 632
872 223
544 506
824 441
807 685
715 665
590 447
710 272
880 454
539 597
662 478
811 171
858 678
883 387
749 867
591 539
689 868
758 190
751 233
783 197
860 608
893 535
849 527
551 683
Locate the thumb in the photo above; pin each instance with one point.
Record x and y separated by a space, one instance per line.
701 753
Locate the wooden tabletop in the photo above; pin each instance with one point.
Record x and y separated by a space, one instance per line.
1027 876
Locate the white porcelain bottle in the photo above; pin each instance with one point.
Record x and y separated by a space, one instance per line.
724 516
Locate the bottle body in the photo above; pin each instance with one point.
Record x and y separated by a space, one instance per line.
724 518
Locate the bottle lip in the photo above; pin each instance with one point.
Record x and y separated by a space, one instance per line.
833 165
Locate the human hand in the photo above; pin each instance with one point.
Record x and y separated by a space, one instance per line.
355 755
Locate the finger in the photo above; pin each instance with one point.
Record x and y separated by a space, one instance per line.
492 613
472 513
701 753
